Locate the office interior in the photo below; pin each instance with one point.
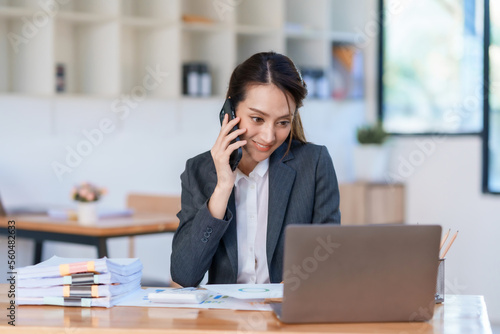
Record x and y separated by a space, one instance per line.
150 133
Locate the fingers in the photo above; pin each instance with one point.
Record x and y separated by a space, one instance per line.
228 126
223 146
232 136
236 145
225 131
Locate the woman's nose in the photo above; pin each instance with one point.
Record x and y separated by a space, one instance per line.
268 134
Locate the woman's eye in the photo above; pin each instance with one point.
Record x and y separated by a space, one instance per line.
257 119
283 123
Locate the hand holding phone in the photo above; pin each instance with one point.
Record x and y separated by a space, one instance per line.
236 155
226 154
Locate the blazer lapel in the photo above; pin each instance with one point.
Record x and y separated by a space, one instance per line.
230 239
281 179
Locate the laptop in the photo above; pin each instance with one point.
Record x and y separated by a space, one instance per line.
377 273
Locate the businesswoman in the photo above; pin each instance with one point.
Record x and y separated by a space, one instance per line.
232 223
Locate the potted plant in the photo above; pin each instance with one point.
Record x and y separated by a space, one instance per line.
86 195
371 155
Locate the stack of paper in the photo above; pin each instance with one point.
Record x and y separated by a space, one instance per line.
78 282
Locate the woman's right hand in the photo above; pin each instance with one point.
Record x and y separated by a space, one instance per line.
221 151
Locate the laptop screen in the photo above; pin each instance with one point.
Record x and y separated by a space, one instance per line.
359 273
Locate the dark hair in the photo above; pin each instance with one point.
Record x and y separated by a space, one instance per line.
271 68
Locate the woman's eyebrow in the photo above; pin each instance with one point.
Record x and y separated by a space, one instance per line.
266 114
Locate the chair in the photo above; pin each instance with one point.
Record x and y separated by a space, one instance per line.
154 203
142 203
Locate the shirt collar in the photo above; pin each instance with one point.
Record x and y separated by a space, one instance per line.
259 170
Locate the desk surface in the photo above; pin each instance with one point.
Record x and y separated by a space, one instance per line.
459 314
107 227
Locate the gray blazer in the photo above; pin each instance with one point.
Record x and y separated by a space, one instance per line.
303 189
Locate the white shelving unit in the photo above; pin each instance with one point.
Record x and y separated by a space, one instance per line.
109 47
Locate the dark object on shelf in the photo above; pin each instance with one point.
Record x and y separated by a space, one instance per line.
205 80
316 82
196 79
60 78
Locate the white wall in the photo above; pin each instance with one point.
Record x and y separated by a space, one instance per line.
443 184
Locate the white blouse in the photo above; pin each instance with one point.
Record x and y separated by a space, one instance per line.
251 195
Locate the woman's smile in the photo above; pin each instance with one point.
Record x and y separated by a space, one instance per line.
262 148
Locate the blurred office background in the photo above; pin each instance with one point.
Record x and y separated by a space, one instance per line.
103 91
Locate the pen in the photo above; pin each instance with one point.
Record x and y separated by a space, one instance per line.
449 245
444 239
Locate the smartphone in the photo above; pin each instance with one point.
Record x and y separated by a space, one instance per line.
235 157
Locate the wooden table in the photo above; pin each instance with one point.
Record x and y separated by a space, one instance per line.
459 314
41 228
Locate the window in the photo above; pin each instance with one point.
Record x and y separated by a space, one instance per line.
432 66
440 72
491 179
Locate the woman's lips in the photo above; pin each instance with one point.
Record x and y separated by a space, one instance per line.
262 148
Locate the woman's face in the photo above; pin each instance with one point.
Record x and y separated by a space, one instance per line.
266 115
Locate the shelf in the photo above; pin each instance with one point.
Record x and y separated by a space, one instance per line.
255 30
249 44
145 22
110 47
339 36
213 48
259 13
208 99
81 17
305 34
89 54
310 15
204 27
7 11
96 7
25 60
300 51
332 36
217 11
17 95
165 11
26 4
351 19
147 51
